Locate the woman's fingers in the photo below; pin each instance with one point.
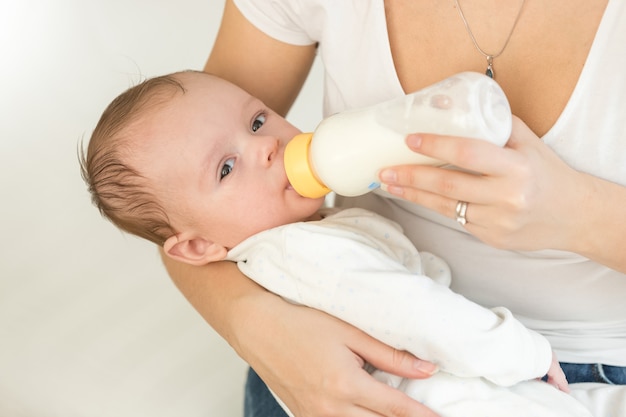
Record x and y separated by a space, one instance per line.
378 397
434 187
383 400
469 154
474 154
391 360
317 362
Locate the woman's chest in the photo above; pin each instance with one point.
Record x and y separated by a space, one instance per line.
539 48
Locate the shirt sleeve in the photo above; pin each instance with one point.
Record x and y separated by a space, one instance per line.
281 19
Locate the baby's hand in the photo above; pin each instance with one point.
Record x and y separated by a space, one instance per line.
556 376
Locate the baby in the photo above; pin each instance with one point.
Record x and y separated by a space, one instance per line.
195 164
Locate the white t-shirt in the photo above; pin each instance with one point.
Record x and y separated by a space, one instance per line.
361 268
576 303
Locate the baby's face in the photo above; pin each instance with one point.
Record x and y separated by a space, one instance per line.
216 156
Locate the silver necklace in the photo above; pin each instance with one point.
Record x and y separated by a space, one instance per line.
490 57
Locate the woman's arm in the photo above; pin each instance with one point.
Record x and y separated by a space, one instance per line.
312 361
527 198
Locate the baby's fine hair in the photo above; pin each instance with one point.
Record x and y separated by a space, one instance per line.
118 190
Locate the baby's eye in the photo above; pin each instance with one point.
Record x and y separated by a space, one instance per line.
227 168
258 122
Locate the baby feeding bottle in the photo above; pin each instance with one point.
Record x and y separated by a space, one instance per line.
347 150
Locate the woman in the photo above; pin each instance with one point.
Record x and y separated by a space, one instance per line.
543 222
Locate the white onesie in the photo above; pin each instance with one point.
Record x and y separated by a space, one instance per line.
359 267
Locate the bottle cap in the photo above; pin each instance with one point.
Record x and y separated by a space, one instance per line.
299 170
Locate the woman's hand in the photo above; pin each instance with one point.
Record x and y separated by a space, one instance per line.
520 197
317 361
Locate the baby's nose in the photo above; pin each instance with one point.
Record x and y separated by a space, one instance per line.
269 151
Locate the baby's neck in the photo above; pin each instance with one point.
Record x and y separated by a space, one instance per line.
316 216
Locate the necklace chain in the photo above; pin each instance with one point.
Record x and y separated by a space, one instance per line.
490 57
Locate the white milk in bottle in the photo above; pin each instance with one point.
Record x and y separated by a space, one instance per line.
347 150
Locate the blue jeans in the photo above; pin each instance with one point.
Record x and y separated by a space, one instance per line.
594 372
259 402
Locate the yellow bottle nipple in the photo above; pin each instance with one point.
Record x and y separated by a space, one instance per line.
299 170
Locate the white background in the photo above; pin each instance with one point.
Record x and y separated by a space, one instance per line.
90 324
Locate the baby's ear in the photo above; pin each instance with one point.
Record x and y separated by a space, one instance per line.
193 250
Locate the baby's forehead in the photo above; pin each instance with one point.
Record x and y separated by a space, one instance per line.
190 78
198 80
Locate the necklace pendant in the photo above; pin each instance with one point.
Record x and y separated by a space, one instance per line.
489 73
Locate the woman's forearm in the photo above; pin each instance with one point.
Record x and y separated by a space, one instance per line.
219 292
601 234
